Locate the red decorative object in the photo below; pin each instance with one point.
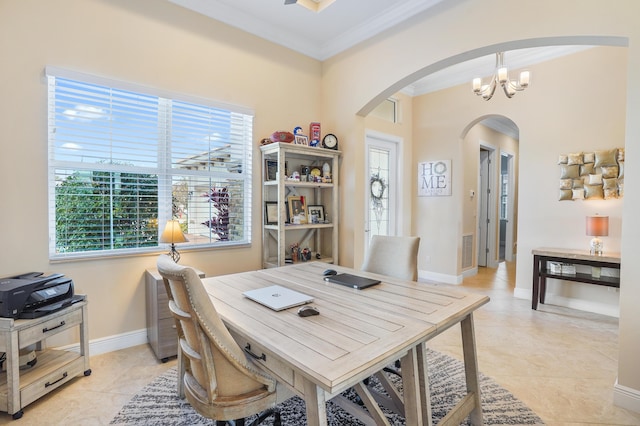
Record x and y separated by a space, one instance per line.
314 132
281 136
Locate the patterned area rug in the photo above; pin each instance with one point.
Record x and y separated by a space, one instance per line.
158 404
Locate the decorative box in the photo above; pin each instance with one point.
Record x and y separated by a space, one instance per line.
568 269
555 267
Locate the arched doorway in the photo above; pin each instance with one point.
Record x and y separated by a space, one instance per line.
492 143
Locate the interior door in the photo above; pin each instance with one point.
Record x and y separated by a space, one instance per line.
483 208
487 209
381 196
506 207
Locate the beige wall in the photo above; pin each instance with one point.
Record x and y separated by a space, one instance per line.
358 79
153 43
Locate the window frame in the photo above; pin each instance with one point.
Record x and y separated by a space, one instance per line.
163 170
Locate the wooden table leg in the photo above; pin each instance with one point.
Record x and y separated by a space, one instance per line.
13 372
423 378
316 404
536 282
543 281
470 405
471 368
411 388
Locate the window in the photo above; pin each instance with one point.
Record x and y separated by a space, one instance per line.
387 110
123 161
504 195
379 179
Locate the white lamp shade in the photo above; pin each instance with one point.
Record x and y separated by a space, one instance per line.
503 75
172 233
477 84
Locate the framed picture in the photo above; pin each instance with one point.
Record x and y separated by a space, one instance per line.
315 214
270 169
286 209
297 210
301 140
434 179
271 212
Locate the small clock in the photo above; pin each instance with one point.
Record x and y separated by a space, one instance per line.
330 141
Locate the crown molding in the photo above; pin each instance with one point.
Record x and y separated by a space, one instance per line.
316 49
371 27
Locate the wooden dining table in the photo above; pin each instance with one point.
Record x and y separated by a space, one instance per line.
356 334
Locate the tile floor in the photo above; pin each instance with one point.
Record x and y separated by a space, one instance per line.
561 362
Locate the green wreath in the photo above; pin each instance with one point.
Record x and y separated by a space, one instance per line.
377 187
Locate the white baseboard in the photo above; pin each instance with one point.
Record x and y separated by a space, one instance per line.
470 272
626 398
441 278
522 293
579 304
113 343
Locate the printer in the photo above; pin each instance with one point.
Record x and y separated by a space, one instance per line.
34 294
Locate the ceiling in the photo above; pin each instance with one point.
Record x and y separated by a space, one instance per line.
320 35
343 24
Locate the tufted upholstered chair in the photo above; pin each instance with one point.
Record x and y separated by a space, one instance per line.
219 381
393 256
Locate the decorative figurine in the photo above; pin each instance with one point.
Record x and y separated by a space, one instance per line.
326 170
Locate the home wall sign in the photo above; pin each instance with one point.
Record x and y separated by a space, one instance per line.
434 178
592 175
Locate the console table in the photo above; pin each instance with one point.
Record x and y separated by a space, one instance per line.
541 257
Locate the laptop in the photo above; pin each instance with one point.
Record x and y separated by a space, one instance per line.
277 297
352 281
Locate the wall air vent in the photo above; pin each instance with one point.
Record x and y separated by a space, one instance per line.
467 251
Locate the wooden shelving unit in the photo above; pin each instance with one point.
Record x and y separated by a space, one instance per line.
320 238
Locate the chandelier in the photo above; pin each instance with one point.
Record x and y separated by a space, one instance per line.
501 76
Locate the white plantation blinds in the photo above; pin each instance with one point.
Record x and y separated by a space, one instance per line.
123 161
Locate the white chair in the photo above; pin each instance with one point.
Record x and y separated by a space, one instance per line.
393 256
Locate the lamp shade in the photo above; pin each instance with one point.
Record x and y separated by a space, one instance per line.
598 226
172 233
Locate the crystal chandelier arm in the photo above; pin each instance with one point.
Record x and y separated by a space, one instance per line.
484 90
489 90
509 89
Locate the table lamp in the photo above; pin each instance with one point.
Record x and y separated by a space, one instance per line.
597 226
173 234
